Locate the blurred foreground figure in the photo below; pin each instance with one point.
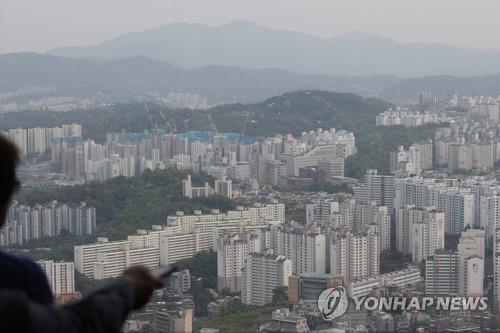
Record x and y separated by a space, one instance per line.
26 304
103 311
17 272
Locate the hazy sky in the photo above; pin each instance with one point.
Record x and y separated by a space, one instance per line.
39 25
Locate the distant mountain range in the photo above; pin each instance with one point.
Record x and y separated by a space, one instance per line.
251 46
140 78
122 80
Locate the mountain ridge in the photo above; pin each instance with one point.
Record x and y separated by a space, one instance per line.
125 79
251 46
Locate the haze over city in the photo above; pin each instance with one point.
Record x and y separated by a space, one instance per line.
31 25
260 166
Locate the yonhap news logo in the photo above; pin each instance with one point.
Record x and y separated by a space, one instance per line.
333 303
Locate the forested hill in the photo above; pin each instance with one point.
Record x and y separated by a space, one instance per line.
299 111
124 205
289 113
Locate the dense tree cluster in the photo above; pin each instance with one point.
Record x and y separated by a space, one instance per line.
123 205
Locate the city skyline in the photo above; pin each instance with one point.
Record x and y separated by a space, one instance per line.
293 224
298 166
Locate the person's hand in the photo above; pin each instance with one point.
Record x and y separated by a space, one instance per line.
144 284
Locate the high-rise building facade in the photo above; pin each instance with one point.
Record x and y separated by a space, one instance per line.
232 250
355 255
61 276
263 273
471 256
426 235
441 274
378 188
306 248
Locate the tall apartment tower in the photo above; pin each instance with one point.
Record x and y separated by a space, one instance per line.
425 149
378 188
496 269
459 157
262 274
426 235
355 255
403 228
306 248
489 212
60 275
232 251
441 274
471 262
383 220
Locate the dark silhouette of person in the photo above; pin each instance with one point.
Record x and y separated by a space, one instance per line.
25 302
17 272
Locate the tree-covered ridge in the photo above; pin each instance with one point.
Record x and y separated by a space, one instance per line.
124 205
375 143
289 113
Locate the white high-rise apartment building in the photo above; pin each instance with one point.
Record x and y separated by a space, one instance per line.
368 214
489 213
458 207
20 138
306 248
382 220
260 213
459 157
471 262
61 276
112 264
408 118
458 273
355 255
457 202
184 246
37 140
232 250
269 213
181 238
426 153
426 233
151 238
482 156
441 274
472 276
262 274
403 217
378 188
496 269
86 255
